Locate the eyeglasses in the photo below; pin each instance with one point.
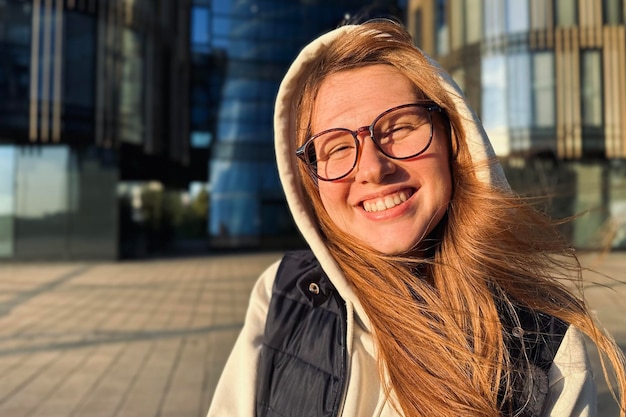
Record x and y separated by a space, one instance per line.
401 132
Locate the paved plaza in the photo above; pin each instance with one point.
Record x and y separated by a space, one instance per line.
149 338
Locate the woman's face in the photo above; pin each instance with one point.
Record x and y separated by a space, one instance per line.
390 205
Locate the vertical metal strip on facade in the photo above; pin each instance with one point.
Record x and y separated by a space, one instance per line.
569 141
541 24
109 78
562 86
100 72
149 83
33 118
608 101
44 131
575 96
590 18
57 93
614 61
113 70
610 88
620 137
549 10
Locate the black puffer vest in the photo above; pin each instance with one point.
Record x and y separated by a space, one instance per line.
302 367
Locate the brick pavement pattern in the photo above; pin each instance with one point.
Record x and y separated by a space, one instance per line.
136 339
149 338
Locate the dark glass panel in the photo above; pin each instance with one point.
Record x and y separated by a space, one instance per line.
15 28
93 213
79 73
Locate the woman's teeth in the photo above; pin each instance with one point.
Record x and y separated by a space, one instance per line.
386 202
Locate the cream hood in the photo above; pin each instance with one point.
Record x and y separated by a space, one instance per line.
284 131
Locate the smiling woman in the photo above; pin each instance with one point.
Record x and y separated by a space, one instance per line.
388 203
429 289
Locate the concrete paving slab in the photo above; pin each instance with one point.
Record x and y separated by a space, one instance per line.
149 338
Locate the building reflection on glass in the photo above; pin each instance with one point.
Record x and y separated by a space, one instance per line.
127 126
85 106
256 41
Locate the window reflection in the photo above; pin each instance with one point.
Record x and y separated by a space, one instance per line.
200 34
613 12
516 16
494 18
65 202
14 66
42 200
7 200
131 88
234 206
79 69
591 88
518 82
42 174
493 114
541 13
566 12
442 31
259 41
543 89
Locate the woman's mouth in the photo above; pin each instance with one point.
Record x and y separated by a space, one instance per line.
387 202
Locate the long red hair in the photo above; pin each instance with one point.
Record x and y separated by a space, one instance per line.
435 318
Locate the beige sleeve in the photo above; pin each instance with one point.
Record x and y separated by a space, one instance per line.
235 392
572 391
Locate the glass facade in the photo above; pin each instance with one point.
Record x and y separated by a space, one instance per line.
494 18
543 88
90 96
494 101
7 200
613 12
517 16
591 87
255 41
442 31
566 12
15 23
473 21
79 63
547 80
57 202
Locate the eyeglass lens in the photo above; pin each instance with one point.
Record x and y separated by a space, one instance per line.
400 133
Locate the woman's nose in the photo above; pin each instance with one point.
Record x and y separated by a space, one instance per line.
372 165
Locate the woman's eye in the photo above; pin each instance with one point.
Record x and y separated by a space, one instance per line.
339 151
335 150
397 132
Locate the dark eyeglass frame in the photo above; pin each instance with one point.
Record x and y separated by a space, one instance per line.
302 152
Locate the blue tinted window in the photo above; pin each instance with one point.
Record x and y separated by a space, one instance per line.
200 20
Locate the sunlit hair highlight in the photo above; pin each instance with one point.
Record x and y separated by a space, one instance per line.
436 317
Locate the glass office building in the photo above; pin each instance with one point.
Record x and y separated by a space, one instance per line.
86 101
105 102
548 79
255 41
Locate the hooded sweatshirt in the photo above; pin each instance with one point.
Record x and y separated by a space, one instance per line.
571 390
